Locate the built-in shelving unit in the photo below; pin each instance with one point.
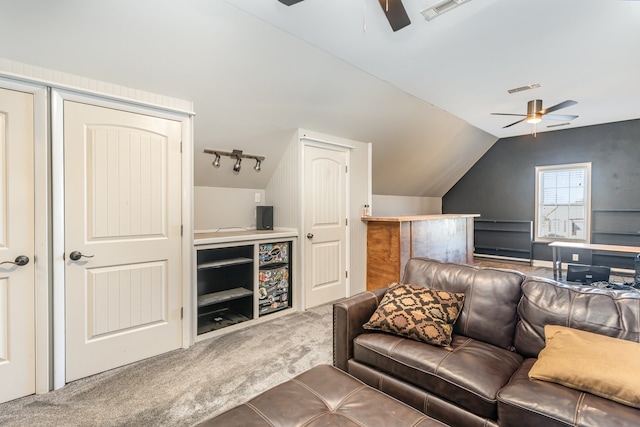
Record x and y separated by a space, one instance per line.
242 280
504 238
225 287
615 227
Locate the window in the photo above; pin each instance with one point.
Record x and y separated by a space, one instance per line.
563 202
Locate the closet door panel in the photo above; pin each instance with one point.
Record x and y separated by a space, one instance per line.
17 303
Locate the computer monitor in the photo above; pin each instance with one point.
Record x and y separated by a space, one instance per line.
587 273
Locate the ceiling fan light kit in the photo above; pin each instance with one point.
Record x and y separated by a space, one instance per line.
533 108
535 113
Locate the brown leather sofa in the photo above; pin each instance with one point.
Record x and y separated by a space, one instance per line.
497 337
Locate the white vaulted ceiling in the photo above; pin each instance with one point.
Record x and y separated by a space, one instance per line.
257 70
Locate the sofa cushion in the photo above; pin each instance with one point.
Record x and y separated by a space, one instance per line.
524 402
470 375
418 313
546 302
601 365
491 296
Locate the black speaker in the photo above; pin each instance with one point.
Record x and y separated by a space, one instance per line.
264 217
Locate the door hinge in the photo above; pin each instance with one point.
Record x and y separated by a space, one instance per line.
181 230
346 221
346 169
346 274
182 312
181 146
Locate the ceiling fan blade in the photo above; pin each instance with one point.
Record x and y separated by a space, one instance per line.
289 2
564 104
509 114
559 117
396 14
514 123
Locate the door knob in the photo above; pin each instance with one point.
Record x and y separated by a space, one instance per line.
76 255
19 261
309 236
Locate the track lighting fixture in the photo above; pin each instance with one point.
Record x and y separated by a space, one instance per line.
235 154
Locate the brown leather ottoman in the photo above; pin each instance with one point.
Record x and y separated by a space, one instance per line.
323 396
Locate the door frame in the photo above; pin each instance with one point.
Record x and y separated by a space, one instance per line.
309 141
42 230
58 96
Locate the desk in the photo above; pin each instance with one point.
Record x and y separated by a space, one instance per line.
557 252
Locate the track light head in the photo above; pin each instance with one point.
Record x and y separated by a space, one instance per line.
258 166
216 161
236 167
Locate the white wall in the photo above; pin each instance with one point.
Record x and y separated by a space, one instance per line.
217 207
405 205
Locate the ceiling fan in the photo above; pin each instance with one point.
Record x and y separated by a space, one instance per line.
393 9
535 113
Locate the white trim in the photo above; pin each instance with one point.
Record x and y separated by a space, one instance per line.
188 298
587 205
82 85
325 143
57 223
42 234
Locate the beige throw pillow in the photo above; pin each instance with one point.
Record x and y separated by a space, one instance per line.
598 364
418 313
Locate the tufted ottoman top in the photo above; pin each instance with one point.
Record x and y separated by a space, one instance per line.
322 396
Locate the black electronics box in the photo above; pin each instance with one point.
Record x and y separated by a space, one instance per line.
264 217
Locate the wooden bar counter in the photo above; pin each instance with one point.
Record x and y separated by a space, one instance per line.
391 241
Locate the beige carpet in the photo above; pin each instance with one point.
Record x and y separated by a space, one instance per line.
184 387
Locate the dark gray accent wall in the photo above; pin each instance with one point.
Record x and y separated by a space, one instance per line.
501 185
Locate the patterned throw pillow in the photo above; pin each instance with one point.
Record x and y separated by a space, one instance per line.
418 313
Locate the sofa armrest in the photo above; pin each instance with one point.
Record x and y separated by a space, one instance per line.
348 317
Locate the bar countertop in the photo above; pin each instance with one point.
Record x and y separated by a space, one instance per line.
417 217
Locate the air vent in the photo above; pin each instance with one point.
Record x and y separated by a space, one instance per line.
558 125
521 88
440 8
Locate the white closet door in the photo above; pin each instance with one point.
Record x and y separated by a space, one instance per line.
123 214
17 324
325 186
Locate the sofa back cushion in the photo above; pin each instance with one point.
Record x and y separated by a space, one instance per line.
547 302
491 296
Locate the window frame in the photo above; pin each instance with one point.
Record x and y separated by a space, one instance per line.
587 206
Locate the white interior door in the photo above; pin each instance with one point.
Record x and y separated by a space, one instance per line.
122 237
325 187
17 324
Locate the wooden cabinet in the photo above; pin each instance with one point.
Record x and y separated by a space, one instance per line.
392 241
